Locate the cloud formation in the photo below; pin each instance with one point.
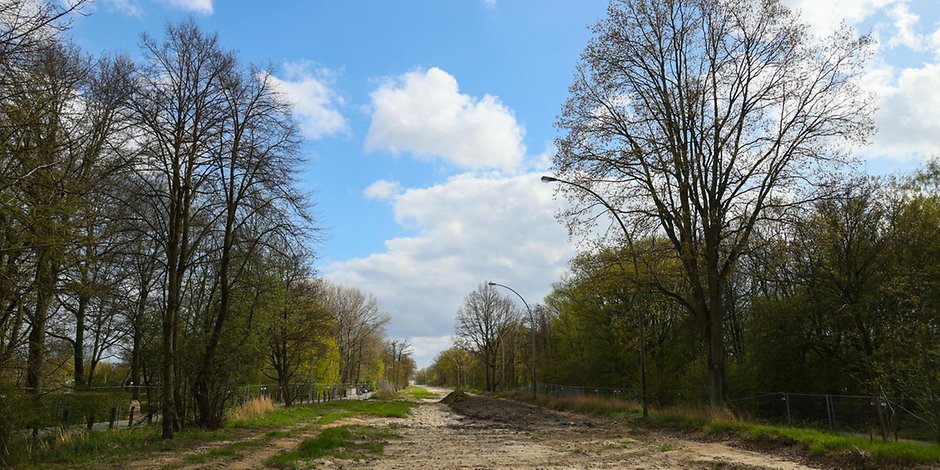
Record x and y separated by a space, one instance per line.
908 116
423 113
315 103
468 229
824 17
382 190
127 7
203 7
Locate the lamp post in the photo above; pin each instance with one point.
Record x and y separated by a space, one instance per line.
531 322
626 233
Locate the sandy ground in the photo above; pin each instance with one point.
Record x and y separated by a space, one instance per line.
489 433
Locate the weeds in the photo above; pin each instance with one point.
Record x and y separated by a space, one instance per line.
343 442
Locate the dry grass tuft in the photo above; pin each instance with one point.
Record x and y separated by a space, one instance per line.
252 408
604 401
700 413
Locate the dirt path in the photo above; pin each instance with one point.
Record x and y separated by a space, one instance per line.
489 433
496 434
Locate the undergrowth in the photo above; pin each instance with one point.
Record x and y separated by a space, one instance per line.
712 422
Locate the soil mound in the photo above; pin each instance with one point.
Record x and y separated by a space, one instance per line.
454 397
511 412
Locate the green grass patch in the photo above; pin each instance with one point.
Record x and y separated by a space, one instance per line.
83 448
822 444
324 413
79 448
229 450
343 442
418 393
816 443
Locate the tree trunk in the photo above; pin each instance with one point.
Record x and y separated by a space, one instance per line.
45 292
168 371
78 345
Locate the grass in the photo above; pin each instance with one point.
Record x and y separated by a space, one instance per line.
82 448
324 413
254 408
823 444
712 422
344 442
70 449
417 393
229 450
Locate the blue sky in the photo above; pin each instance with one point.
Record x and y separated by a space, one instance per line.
429 122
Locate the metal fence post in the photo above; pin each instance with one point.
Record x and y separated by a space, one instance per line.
786 398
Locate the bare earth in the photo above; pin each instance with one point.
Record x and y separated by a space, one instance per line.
489 433
492 433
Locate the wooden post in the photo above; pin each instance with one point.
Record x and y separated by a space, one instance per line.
113 417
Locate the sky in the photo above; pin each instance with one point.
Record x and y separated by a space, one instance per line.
427 124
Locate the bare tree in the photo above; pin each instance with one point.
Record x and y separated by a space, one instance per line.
358 318
254 167
399 366
700 117
179 107
482 323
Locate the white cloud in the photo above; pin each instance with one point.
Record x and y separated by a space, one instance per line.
904 22
426 348
127 7
908 115
490 4
469 229
382 189
424 113
196 6
315 103
825 16
934 41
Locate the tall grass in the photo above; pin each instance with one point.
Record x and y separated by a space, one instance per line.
253 408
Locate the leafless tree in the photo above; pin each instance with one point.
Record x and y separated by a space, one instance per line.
179 108
358 318
399 366
254 166
698 118
482 323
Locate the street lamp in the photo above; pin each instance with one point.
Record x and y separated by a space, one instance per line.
531 322
626 233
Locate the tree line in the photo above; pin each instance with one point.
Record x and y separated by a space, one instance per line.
709 143
153 233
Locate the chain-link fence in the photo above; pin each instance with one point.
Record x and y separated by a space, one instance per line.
306 392
91 407
896 417
899 418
